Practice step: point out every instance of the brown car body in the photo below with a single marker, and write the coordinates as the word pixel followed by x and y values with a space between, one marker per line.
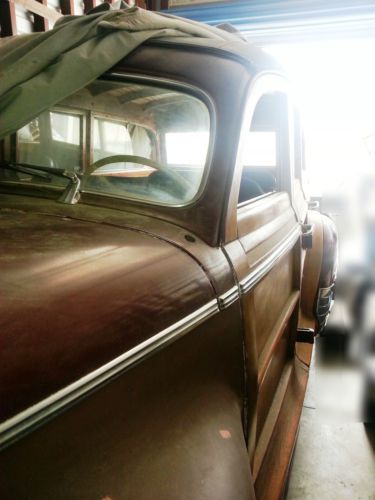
pixel 158 352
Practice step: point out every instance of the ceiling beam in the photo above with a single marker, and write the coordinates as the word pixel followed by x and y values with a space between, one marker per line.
pixel 39 9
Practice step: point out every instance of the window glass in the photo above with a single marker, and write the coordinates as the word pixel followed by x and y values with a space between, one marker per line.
pixel 151 145
pixel 66 128
pixel 186 147
pixel 260 149
pixel 53 139
pixel 110 138
pixel 265 151
pixel 126 140
pixel 115 138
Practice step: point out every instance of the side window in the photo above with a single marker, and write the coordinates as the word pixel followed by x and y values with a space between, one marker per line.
pixel 265 156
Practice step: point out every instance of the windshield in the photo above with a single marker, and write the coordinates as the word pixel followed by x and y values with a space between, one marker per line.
pixel 123 139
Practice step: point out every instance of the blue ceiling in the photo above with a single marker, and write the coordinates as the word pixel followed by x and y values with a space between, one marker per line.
pixel 272 20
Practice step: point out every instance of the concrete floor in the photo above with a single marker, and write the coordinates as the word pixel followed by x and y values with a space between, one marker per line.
pixel 335 452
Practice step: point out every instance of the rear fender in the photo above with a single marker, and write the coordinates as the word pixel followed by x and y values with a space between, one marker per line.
pixel 319 273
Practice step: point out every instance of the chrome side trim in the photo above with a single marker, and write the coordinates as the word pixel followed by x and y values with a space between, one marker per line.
pixel 36 415
pixel 266 265
pixel 227 298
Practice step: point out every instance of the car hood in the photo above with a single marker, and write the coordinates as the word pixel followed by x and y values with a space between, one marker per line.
pixel 76 294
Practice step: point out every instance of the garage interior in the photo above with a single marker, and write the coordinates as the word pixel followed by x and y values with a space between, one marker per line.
pixel 327 49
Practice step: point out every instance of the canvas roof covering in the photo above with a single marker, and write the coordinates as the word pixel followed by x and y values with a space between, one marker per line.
pixel 40 69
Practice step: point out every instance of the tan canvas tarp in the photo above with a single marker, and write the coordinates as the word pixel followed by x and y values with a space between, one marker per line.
pixel 41 69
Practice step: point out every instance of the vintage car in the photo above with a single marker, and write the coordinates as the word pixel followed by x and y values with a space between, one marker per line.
pixel 162 279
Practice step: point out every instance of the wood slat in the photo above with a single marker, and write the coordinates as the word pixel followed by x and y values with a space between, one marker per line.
pixel 271 419
pixel 275 335
pixel 272 474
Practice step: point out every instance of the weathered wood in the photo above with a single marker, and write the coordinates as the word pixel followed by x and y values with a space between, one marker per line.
pixel 40 9
pixel 8 25
pixel 67 7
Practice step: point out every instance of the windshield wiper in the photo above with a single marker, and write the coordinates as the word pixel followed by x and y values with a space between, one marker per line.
pixel 70 195
pixel 26 169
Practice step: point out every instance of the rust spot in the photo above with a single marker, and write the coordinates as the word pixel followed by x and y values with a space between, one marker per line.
pixel 106 498
pixel 225 434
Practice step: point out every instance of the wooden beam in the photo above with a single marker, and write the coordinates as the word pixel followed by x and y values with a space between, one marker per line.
pixel 40 22
pixel 8 25
pixel 67 7
pixel 38 8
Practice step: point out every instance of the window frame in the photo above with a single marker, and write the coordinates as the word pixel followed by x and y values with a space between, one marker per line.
pixel 9 143
pixel 261 85
pixel 177 86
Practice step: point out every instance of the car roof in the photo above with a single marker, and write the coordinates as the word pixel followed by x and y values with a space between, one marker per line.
pixel 239 49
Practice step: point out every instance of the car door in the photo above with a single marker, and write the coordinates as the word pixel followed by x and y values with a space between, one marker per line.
pixel 263 243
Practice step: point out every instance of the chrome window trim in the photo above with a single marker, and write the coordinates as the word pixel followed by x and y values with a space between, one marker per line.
pixel 267 264
pixel 46 409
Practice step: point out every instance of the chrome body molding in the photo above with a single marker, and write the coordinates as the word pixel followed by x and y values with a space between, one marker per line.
pixel 229 297
pixel 266 265
pixel 36 415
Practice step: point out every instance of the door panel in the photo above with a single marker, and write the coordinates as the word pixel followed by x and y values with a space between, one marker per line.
pixel 269 275
pixel 272 376
pixel 257 221
pixel 270 303
pixel 269 236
